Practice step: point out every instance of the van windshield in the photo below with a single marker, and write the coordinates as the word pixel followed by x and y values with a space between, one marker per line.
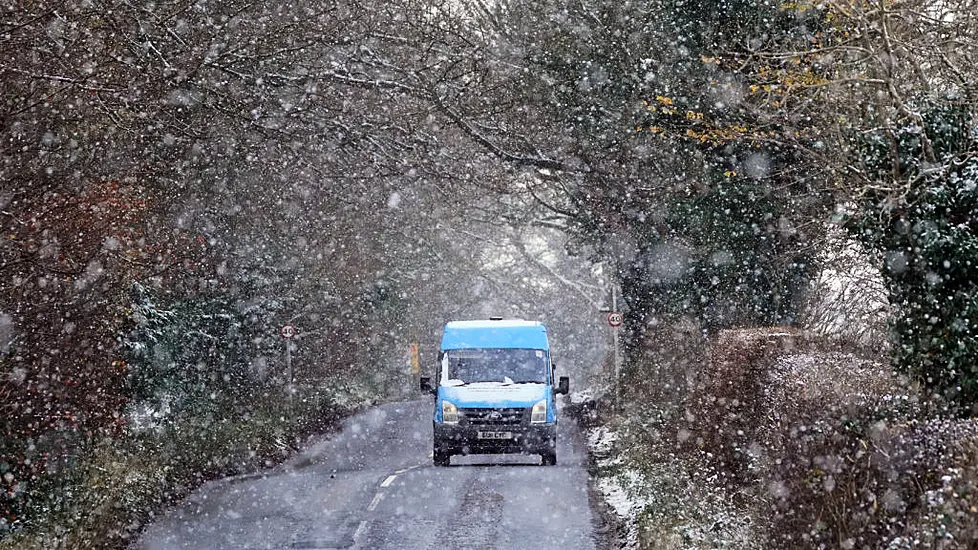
pixel 497 365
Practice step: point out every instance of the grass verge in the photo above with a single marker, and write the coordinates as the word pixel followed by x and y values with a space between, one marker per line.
pixel 106 498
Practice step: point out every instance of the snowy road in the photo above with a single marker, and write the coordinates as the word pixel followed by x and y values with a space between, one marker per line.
pixel 373 486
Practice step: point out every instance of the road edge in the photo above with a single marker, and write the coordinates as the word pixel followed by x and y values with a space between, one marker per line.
pixel 608 526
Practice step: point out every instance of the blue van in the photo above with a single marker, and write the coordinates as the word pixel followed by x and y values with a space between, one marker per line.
pixel 494 390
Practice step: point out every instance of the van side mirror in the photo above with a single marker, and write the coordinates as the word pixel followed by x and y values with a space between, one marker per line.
pixel 426 385
pixel 563 385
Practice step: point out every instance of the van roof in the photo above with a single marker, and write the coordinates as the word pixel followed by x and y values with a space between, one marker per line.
pixel 506 333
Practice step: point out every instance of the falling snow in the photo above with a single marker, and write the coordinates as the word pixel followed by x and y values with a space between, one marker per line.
pixel 231 234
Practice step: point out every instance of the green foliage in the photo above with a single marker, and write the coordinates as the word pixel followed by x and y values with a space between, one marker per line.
pixel 928 237
pixel 932 274
pixel 745 275
pixel 196 352
pixel 729 265
pixel 901 154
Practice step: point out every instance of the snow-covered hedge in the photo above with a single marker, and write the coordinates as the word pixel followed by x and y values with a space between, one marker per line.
pixel 781 441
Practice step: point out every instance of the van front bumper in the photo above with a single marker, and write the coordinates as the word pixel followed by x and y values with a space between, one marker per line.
pixel 531 439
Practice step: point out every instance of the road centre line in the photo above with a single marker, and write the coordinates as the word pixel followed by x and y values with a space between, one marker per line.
pixel 373 503
pixel 386 483
pixel 361 528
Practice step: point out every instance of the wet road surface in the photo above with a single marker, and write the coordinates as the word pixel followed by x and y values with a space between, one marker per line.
pixel 373 486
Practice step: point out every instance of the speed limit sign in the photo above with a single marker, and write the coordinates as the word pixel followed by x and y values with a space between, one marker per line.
pixel 288 331
pixel 615 319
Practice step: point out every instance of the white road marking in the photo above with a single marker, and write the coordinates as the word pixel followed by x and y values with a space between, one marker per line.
pixel 357 534
pixel 388 481
pixel 373 503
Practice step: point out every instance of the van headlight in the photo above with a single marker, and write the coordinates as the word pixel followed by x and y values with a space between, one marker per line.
pixel 538 415
pixel 449 412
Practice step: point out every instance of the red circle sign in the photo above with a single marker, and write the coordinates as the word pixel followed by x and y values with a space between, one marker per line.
pixel 615 319
pixel 288 331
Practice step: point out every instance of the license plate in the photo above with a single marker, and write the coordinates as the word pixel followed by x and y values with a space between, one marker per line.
pixel 494 435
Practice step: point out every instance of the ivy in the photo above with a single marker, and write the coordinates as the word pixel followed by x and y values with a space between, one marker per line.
pixel 929 240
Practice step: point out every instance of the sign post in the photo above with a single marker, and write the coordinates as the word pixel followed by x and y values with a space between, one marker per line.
pixel 615 319
pixel 289 332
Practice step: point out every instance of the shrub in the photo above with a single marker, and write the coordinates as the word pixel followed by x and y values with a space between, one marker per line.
pixel 927 236
pixel 830 449
pixel 103 501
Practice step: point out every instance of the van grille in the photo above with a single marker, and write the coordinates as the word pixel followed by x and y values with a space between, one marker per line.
pixel 493 417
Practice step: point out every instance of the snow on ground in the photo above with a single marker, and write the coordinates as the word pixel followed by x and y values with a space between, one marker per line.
pixel 600 440
pixel 581 396
pixel 616 490
pixel 663 501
